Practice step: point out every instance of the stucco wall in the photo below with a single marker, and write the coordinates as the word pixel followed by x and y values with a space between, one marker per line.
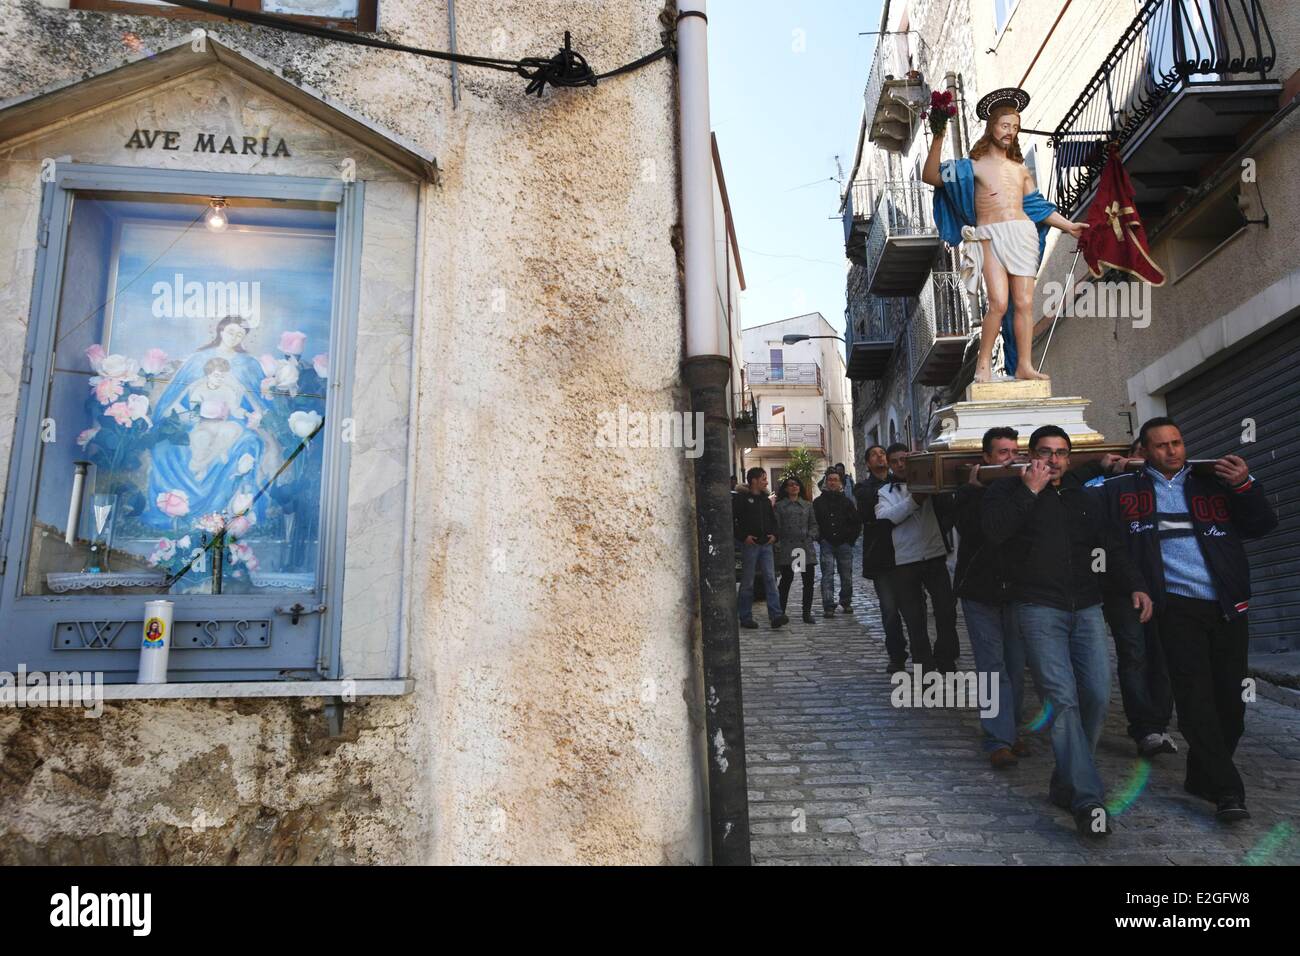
pixel 556 706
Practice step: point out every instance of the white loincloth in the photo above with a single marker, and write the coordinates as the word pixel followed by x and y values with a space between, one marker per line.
pixel 1014 243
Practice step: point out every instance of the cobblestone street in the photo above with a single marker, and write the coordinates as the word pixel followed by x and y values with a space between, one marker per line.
pixel 837 775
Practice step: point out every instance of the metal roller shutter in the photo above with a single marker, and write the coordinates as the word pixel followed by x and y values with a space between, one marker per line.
pixel 1260 382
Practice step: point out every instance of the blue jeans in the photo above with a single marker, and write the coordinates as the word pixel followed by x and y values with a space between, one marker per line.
pixel 998 651
pixel 754 558
pixel 1067 654
pixel 832 557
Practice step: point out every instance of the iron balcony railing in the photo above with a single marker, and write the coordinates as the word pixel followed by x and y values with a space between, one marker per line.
pixel 904 207
pixel 1169 44
pixel 943 312
pixel 859 204
pixel 796 373
pixel 899 56
pixel 874 320
pixel 792 436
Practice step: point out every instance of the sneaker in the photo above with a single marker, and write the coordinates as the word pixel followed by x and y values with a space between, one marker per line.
pixel 1089 823
pixel 828 610
pixel 1021 748
pixel 1231 810
pixel 1002 758
pixel 1153 744
pixel 808 618
pixel 780 621
pixel 846 605
pixel 751 624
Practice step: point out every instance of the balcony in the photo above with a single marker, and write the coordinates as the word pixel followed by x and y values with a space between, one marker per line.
pixel 902 240
pixel 795 379
pixel 871 335
pixel 859 207
pixel 1176 92
pixel 896 89
pixel 792 436
pixel 941 329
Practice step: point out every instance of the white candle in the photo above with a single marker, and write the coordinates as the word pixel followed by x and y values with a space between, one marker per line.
pixel 156 642
pixel 74 503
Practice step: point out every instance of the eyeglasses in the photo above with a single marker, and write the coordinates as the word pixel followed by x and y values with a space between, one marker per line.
pixel 1045 454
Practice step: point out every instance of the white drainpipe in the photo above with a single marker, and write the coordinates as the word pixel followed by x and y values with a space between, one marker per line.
pixel 697 179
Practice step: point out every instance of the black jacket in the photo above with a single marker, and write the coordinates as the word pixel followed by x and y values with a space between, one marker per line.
pixel 980 574
pixel 1048 542
pixel 837 518
pixel 877 533
pixel 1222 518
pixel 752 514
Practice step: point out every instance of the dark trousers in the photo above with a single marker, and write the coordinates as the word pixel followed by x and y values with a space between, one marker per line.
pixel 886 584
pixel 1207 663
pixel 1143 676
pixel 809 575
pixel 910 583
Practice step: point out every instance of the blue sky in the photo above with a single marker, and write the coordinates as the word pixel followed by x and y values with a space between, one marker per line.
pixel 781 116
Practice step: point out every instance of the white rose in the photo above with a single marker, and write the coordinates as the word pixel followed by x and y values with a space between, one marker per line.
pixel 138 406
pixel 245 464
pixel 241 503
pixel 117 366
pixel 286 376
pixel 303 424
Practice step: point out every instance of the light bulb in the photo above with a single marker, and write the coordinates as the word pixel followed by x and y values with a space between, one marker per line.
pixel 215 217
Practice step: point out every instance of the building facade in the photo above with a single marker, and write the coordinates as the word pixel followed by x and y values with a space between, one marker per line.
pixel 800 393
pixel 274 311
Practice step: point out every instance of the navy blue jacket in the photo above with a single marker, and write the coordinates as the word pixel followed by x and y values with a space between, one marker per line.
pixel 1222 518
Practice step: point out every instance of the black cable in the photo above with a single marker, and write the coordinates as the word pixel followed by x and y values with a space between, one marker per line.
pixel 567 68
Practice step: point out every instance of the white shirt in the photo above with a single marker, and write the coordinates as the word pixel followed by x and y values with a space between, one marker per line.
pixel 916 529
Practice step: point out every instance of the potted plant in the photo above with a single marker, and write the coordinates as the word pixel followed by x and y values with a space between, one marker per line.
pixel 802 465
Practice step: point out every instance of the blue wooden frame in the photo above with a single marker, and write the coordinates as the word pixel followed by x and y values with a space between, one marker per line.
pixel 19 611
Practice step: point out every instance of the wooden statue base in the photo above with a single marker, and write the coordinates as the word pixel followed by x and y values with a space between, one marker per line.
pixel 947 470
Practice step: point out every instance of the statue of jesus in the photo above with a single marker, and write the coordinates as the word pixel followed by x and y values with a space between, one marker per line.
pixel 990 207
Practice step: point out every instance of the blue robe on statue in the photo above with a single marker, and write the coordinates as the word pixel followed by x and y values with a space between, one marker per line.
pixel 222 478
pixel 954 207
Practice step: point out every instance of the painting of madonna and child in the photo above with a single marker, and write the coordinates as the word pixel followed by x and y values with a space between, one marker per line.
pixel 187 400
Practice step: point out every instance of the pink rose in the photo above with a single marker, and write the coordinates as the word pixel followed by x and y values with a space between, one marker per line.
pixel 268 364
pixel 85 437
pixel 321 364
pixel 292 343
pixel 119 412
pixel 107 390
pixel 239 526
pixel 96 355
pixel 173 503
pixel 155 360
pixel 212 523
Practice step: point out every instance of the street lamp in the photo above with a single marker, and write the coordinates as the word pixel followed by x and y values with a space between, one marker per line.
pixel 793 337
